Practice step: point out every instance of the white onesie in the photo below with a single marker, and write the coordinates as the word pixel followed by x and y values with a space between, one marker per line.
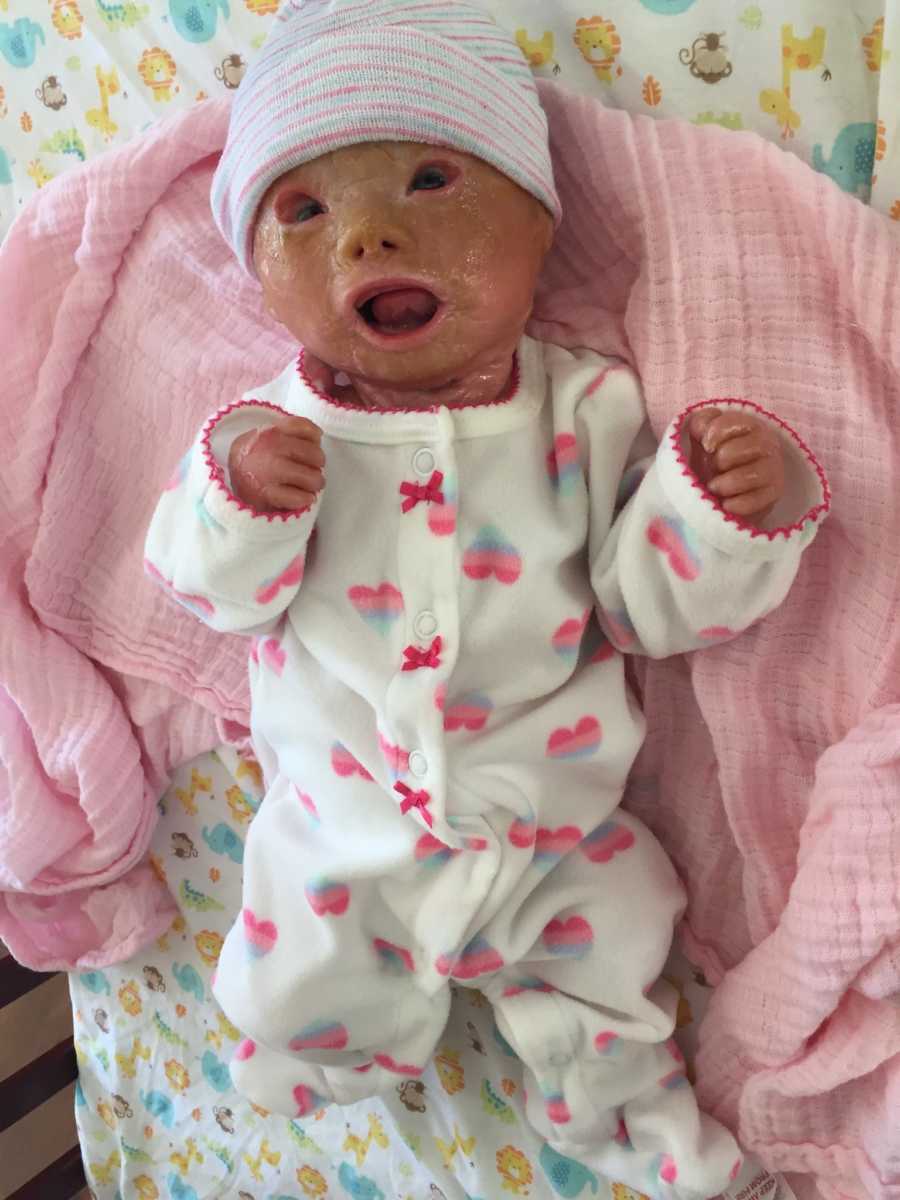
pixel 445 732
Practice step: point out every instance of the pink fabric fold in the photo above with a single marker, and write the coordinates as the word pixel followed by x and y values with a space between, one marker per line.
pixel 719 267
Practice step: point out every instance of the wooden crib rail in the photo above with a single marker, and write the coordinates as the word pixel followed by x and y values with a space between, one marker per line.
pixel 40 1158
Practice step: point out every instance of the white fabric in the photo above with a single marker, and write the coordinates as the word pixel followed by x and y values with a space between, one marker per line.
pixel 512 866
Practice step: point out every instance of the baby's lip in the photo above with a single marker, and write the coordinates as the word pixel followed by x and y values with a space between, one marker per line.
pixel 362 295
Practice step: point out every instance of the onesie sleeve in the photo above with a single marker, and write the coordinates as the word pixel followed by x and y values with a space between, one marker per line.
pixel 673 572
pixel 233 567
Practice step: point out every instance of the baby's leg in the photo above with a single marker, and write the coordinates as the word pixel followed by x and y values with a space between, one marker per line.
pixel 320 1028
pixel 324 979
pixel 584 1011
pixel 339 1060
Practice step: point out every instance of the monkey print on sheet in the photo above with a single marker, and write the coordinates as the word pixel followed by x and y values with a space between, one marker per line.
pixel 707 58
pixel 231 72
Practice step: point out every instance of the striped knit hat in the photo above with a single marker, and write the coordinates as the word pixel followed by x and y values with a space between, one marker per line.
pixel 337 72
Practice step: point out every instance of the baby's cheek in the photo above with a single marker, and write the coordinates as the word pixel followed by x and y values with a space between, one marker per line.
pixel 268 248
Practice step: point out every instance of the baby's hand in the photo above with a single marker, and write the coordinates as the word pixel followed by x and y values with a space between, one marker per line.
pixel 279 467
pixel 738 458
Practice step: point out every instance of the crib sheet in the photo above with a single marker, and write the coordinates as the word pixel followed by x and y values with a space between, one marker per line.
pixel 820 77
pixel 156 1111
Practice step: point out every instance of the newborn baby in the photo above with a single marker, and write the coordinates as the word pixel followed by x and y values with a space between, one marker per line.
pixel 442 537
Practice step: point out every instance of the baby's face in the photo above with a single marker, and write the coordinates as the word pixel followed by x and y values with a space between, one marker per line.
pixel 399 263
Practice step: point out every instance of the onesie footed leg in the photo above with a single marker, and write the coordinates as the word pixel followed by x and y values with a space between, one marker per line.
pixel 585 1011
pixel 330 1062
pixel 686 1155
pixel 657 1143
pixel 691 1155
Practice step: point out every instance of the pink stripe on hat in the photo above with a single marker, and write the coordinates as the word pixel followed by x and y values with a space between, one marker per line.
pixel 460 85
pixel 268 117
pixel 335 73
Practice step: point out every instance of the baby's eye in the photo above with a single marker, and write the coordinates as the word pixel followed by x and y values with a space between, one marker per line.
pixel 306 209
pixel 294 209
pixel 431 179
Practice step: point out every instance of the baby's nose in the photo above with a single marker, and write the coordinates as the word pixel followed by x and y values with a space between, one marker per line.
pixel 371 238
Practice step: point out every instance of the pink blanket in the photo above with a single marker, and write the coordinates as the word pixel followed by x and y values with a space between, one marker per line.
pixel 719 267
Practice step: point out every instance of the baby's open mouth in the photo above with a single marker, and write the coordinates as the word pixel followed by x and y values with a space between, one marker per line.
pixel 399 310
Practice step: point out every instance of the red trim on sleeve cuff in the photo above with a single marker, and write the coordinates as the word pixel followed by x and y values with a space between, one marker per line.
pixel 217 475
pixel 812 514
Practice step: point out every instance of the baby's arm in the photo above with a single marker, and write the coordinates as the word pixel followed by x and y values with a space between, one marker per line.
pixel 675 571
pixel 229 536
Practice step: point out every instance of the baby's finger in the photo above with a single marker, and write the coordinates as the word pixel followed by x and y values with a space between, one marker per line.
pixel 701 421
pixel 284 496
pixel 301 450
pixel 760 473
pixel 739 451
pixel 730 424
pixel 299 427
pixel 752 504
pixel 292 474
